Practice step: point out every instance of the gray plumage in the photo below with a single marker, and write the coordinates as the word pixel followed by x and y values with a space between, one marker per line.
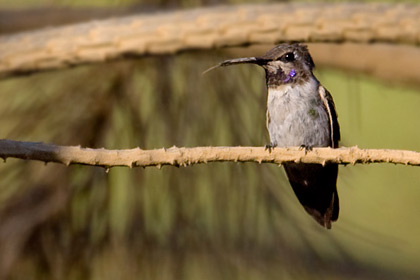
pixel 301 112
pixel 296 116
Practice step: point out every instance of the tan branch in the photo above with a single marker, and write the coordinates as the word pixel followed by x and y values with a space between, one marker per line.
pixel 207 28
pixel 187 156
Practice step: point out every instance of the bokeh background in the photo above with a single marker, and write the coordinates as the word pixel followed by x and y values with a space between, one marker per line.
pixel 214 221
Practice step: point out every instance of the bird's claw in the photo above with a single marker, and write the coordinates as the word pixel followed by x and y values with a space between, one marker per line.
pixel 269 147
pixel 306 148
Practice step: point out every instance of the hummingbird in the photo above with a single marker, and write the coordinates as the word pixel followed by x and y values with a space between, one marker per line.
pixel 300 112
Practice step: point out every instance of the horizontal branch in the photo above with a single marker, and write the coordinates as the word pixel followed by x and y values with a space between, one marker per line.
pixel 207 28
pixel 187 156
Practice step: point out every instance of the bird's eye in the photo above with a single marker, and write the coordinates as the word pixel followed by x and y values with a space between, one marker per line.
pixel 288 57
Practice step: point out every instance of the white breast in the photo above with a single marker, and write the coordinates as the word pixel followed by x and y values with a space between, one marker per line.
pixel 296 116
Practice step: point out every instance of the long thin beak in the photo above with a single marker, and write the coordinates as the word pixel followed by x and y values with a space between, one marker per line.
pixel 252 60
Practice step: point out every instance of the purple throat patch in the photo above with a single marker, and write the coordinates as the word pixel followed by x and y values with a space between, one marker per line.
pixel 290 75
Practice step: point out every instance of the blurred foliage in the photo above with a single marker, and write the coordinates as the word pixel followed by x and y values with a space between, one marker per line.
pixel 215 221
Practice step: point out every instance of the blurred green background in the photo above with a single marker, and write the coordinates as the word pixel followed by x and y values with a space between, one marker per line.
pixel 214 221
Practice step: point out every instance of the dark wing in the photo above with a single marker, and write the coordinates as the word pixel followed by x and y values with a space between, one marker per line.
pixel 315 188
pixel 332 115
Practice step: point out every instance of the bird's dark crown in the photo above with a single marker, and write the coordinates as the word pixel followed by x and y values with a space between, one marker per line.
pixel 290 53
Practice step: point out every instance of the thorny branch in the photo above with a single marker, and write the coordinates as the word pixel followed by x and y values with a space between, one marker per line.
pixel 187 156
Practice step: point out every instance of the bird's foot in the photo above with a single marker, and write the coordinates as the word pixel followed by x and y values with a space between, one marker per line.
pixel 269 147
pixel 306 147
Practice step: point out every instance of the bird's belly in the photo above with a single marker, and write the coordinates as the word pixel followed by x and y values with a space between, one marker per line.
pixel 297 123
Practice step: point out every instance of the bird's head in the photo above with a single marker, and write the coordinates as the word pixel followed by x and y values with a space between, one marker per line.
pixel 288 63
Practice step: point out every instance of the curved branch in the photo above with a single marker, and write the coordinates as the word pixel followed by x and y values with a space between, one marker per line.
pixel 187 156
pixel 206 28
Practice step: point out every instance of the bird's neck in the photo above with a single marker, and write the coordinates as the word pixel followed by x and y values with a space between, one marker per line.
pixel 303 86
pixel 279 77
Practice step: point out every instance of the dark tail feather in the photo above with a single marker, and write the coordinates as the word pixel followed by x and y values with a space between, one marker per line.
pixel 315 187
